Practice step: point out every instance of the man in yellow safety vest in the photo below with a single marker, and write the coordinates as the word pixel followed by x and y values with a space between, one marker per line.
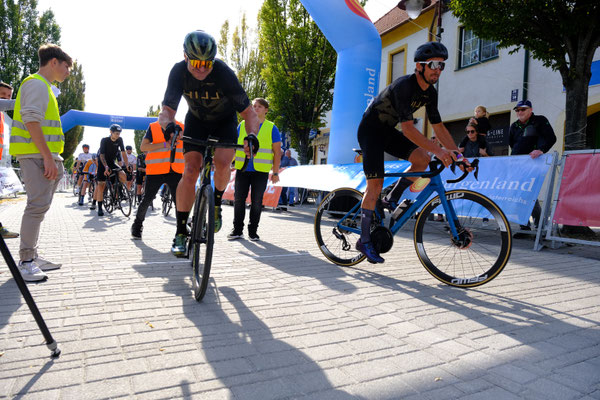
pixel 36 141
pixel 256 174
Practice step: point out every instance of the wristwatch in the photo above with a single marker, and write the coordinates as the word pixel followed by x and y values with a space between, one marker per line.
pixel 275 174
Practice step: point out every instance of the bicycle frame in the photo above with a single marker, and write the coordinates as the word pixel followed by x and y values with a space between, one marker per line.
pixel 434 186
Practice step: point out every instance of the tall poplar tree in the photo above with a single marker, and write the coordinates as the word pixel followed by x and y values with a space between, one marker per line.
pixel 300 69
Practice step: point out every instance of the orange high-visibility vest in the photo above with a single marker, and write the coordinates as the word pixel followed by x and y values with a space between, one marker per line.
pixel 158 161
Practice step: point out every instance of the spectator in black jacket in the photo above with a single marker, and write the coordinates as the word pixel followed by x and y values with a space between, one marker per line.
pixel 530 134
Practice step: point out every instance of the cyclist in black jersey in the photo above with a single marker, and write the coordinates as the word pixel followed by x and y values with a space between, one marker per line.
pixel 377 134
pixel 108 155
pixel 214 95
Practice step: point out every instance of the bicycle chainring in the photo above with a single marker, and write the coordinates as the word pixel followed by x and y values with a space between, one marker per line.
pixel 382 239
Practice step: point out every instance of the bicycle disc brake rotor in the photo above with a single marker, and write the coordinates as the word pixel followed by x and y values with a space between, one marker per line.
pixel 465 239
pixel 382 239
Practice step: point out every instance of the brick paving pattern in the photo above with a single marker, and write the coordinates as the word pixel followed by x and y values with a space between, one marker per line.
pixel 280 322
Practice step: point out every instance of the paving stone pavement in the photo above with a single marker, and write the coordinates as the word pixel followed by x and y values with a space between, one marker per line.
pixel 280 322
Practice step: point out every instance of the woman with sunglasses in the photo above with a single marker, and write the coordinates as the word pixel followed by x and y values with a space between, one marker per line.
pixel 214 95
pixel 377 134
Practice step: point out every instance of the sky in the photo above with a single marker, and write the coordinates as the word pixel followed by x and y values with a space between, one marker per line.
pixel 128 47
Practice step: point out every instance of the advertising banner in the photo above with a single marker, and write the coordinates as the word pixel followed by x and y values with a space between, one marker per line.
pixel 270 198
pixel 513 183
pixel 9 182
pixel 579 196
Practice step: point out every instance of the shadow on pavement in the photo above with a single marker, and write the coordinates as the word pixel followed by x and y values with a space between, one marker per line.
pixel 306 265
pixel 240 349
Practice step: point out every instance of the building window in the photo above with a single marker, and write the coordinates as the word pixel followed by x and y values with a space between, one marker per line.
pixel 475 50
pixel 397 66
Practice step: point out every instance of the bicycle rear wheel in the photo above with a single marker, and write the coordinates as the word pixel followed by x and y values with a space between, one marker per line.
pixel 202 240
pixel 482 248
pixel 107 199
pixel 124 199
pixel 337 226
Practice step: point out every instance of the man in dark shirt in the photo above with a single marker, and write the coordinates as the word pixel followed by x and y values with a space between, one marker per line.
pixel 214 95
pixel 377 134
pixel 530 134
pixel 108 155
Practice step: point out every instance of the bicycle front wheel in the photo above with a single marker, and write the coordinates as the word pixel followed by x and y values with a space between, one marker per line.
pixel 481 248
pixel 124 199
pixel 337 226
pixel 202 240
pixel 166 202
pixel 107 199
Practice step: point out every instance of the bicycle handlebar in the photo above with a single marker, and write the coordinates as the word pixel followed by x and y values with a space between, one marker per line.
pixel 214 143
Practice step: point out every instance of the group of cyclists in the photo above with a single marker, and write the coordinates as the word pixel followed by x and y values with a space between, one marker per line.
pixel 92 169
pixel 215 96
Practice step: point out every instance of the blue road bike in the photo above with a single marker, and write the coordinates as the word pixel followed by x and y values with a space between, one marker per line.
pixel 461 237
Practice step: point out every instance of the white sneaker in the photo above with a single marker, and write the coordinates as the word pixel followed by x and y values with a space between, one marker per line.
pixel 31 272
pixel 46 265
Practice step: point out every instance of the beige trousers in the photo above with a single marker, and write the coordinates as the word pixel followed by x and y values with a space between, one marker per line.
pixel 40 192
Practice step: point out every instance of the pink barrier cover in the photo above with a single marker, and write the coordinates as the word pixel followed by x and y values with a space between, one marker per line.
pixel 579 196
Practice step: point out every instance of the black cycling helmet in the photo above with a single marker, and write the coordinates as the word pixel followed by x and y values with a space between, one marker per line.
pixel 128 148
pixel 85 145
pixel 199 45
pixel 115 127
pixel 431 50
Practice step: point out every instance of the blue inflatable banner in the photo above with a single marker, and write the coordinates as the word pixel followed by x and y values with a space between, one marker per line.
pixel 513 183
pixel 352 34
pixel 74 117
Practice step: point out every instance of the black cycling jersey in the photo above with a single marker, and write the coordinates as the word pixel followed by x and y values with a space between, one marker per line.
pixel 111 149
pixel 397 102
pixel 215 98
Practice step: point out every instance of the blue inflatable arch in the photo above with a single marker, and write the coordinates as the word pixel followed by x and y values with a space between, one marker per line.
pixel 352 34
pixel 73 118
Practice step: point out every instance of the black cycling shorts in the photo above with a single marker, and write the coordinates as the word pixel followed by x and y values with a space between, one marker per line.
pixel 100 177
pixel 375 139
pixel 225 130
pixel 139 178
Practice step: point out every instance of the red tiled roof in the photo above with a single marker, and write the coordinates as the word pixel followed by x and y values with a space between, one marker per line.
pixel 394 18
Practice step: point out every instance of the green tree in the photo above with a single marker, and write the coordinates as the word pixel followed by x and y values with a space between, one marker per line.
pixel 23 32
pixel 72 97
pixel 138 134
pixel 243 55
pixel 563 34
pixel 300 69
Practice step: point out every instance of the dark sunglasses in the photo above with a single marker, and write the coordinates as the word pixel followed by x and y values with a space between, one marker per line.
pixel 434 64
pixel 471 131
pixel 520 109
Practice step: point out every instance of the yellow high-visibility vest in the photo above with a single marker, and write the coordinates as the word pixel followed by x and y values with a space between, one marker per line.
pixel 20 139
pixel 263 160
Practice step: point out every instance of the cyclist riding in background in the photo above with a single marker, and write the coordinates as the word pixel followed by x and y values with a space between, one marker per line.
pixel 213 94
pixel 132 160
pixel 108 155
pixel 81 160
pixel 377 134
pixel 87 177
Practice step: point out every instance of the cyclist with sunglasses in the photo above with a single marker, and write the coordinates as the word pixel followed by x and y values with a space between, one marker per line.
pixel 214 95
pixel 377 134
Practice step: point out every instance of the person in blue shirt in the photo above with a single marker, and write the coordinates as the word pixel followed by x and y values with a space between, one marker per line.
pixel 287 194
pixel 256 174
